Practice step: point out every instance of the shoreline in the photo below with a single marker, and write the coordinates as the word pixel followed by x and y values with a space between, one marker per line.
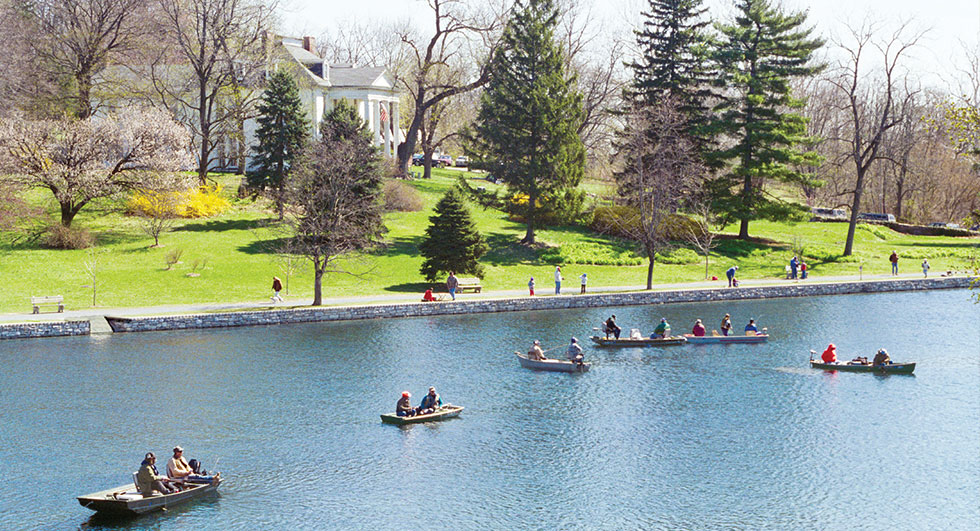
pixel 252 317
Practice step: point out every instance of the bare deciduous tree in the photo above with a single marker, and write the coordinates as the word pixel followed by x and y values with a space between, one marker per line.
pixel 81 160
pixel 699 232
pixel 660 166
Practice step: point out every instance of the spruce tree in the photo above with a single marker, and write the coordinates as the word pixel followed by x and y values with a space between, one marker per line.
pixel 452 242
pixel 282 135
pixel 530 112
pixel 760 53
pixel 675 64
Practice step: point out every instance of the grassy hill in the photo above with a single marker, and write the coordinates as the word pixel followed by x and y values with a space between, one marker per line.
pixel 227 258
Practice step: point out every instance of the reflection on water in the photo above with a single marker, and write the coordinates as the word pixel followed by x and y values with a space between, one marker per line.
pixel 693 437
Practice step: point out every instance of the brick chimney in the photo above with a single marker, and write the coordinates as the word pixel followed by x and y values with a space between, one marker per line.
pixel 309 44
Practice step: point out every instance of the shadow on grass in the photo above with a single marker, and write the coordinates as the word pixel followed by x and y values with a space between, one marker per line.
pixel 732 247
pixel 271 246
pixel 417 287
pixel 506 249
pixel 220 225
pixel 402 245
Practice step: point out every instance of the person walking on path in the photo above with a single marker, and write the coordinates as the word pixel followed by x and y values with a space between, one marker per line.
pixel 530 286
pixel 894 260
pixel 925 268
pixel 584 281
pixel 558 280
pixel 731 275
pixel 452 283
pixel 792 268
pixel 276 288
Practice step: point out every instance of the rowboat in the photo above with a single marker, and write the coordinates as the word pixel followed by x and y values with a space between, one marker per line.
pixel 703 340
pixel 642 342
pixel 552 364
pixel 442 413
pixel 892 368
pixel 127 500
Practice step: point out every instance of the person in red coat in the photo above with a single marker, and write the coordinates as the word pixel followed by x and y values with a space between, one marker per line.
pixel 698 329
pixel 830 355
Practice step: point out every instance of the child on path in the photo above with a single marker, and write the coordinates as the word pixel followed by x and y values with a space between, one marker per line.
pixel 584 281
pixel 925 268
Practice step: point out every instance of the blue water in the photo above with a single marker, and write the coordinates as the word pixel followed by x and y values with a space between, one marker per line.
pixel 689 437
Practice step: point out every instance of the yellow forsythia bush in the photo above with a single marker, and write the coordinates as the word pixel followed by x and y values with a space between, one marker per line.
pixel 203 202
pixel 199 202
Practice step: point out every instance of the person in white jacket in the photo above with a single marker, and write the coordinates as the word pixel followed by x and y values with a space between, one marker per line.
pixel 558 280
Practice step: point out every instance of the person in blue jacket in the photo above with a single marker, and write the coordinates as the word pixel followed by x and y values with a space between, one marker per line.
pixel 751 326
pixel 430 402
pixel 731 275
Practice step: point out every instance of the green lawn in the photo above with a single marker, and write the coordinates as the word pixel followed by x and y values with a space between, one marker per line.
pixel 230 256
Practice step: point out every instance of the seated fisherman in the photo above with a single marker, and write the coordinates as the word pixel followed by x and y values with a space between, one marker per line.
pixel 726 324
pixel 698 330
pixel 829 355
pixel 535 353
pixel 404 406
pixel 611 327
pixel 661 329
pixel 881 358
pixel 149 480
pixel 751 327
pixel 430 402
pixel 177 466
pixel 574 352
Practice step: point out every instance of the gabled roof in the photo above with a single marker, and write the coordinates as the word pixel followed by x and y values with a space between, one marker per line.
pixel 347 76
pixel 301 54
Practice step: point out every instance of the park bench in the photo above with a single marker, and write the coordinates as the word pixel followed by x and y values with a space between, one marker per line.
pixel 37 302
pixel 469 284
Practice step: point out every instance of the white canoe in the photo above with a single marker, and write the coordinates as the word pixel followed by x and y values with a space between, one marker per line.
pixel 758 338
pixel 552 364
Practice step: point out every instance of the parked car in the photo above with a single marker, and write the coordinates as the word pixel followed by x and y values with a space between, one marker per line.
pixel 418 159
pixel 442 160
pixel 462 161
pixel 875 216
pixel 833 213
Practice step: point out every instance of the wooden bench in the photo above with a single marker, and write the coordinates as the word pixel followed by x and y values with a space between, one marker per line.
pixel 36 302
pixel 469 283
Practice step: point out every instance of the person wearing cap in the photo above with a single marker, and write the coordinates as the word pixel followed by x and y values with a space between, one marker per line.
pixel 535 353
pixel 881 358
pixel 177 467
pixel 698 330
pixel 662 329
pixel 574 352
pixel 611 327
pixel 751 327
pixel 149 480
pixel 404 406
pixel 726 324
pixel 829 355
pixel 731 275
pixel 430 402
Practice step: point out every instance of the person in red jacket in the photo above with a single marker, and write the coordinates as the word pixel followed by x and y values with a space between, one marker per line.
pixel 698 329
pixel 830 355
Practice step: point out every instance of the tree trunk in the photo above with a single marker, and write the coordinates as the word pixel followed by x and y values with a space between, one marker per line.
pixel 899 190
pixel 202 166
pixel 651 257
pixel 855 210
pixel 318 284
pixel 743 226
pixel 427 163
pixel 706 266
pixel 68 212
pixel 411 136
pixel 529 218
pixel 84 109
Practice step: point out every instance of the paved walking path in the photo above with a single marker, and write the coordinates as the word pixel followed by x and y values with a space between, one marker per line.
pixel 96 315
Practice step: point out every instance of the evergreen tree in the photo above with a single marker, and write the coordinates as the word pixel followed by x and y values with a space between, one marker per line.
pixel 759 55
pixel 675 49
pixel 452 242
pixel 282 135
pixel 527 126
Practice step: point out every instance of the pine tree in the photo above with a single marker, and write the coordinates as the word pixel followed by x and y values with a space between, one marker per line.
pixel 527 126
pixel 282 135
pixel 759 54
pixel 675 49
pixel 452 242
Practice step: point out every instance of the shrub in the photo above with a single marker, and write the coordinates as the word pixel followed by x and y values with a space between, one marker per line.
pixel 564 208
pixel 590 253
pixel 62 237
pixel 200 202
pixel 623 221
pixel 402 197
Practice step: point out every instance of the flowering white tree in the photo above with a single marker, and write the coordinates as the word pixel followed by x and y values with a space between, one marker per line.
pixel 81 160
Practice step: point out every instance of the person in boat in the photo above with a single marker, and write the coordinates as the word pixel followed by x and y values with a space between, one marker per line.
pixel 427 296
pixel 430 402
pixel 611 327
pixel 662 328
pixel 698 330
pixel 726 324
pixel 535 353
pixel 148 479
pixel 178 467
pixel 881 358
pixel 404 406
pixel 751 327
pixel 574 352
pixel 829 355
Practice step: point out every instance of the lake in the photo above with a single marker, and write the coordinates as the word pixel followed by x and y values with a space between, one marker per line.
pixel 686 437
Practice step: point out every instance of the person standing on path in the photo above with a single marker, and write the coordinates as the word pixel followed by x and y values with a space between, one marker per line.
pixel 894 260
pixel 731 275
pixel 276 288
pixel 925 268
pixel 452 283
pixel 802 270
pixel 585 279
pixel 792 268
pixel 558 280
pixel 530 286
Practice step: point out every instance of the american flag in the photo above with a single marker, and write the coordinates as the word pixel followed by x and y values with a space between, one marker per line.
pixel 384 115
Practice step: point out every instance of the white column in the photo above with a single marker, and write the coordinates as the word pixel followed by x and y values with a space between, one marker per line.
pixel 395 123
pixel 376 121
pixel 362 109
pixel 388 134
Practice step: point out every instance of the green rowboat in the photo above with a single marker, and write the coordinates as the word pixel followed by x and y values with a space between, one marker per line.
pixel 444 412
pixel 892 368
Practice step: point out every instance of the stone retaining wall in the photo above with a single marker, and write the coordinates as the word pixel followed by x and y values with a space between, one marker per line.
pixel 346 313
pixel 45 329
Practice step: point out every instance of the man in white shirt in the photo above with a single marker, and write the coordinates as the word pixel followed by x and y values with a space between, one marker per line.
pixel 177 467
pixel 558 280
